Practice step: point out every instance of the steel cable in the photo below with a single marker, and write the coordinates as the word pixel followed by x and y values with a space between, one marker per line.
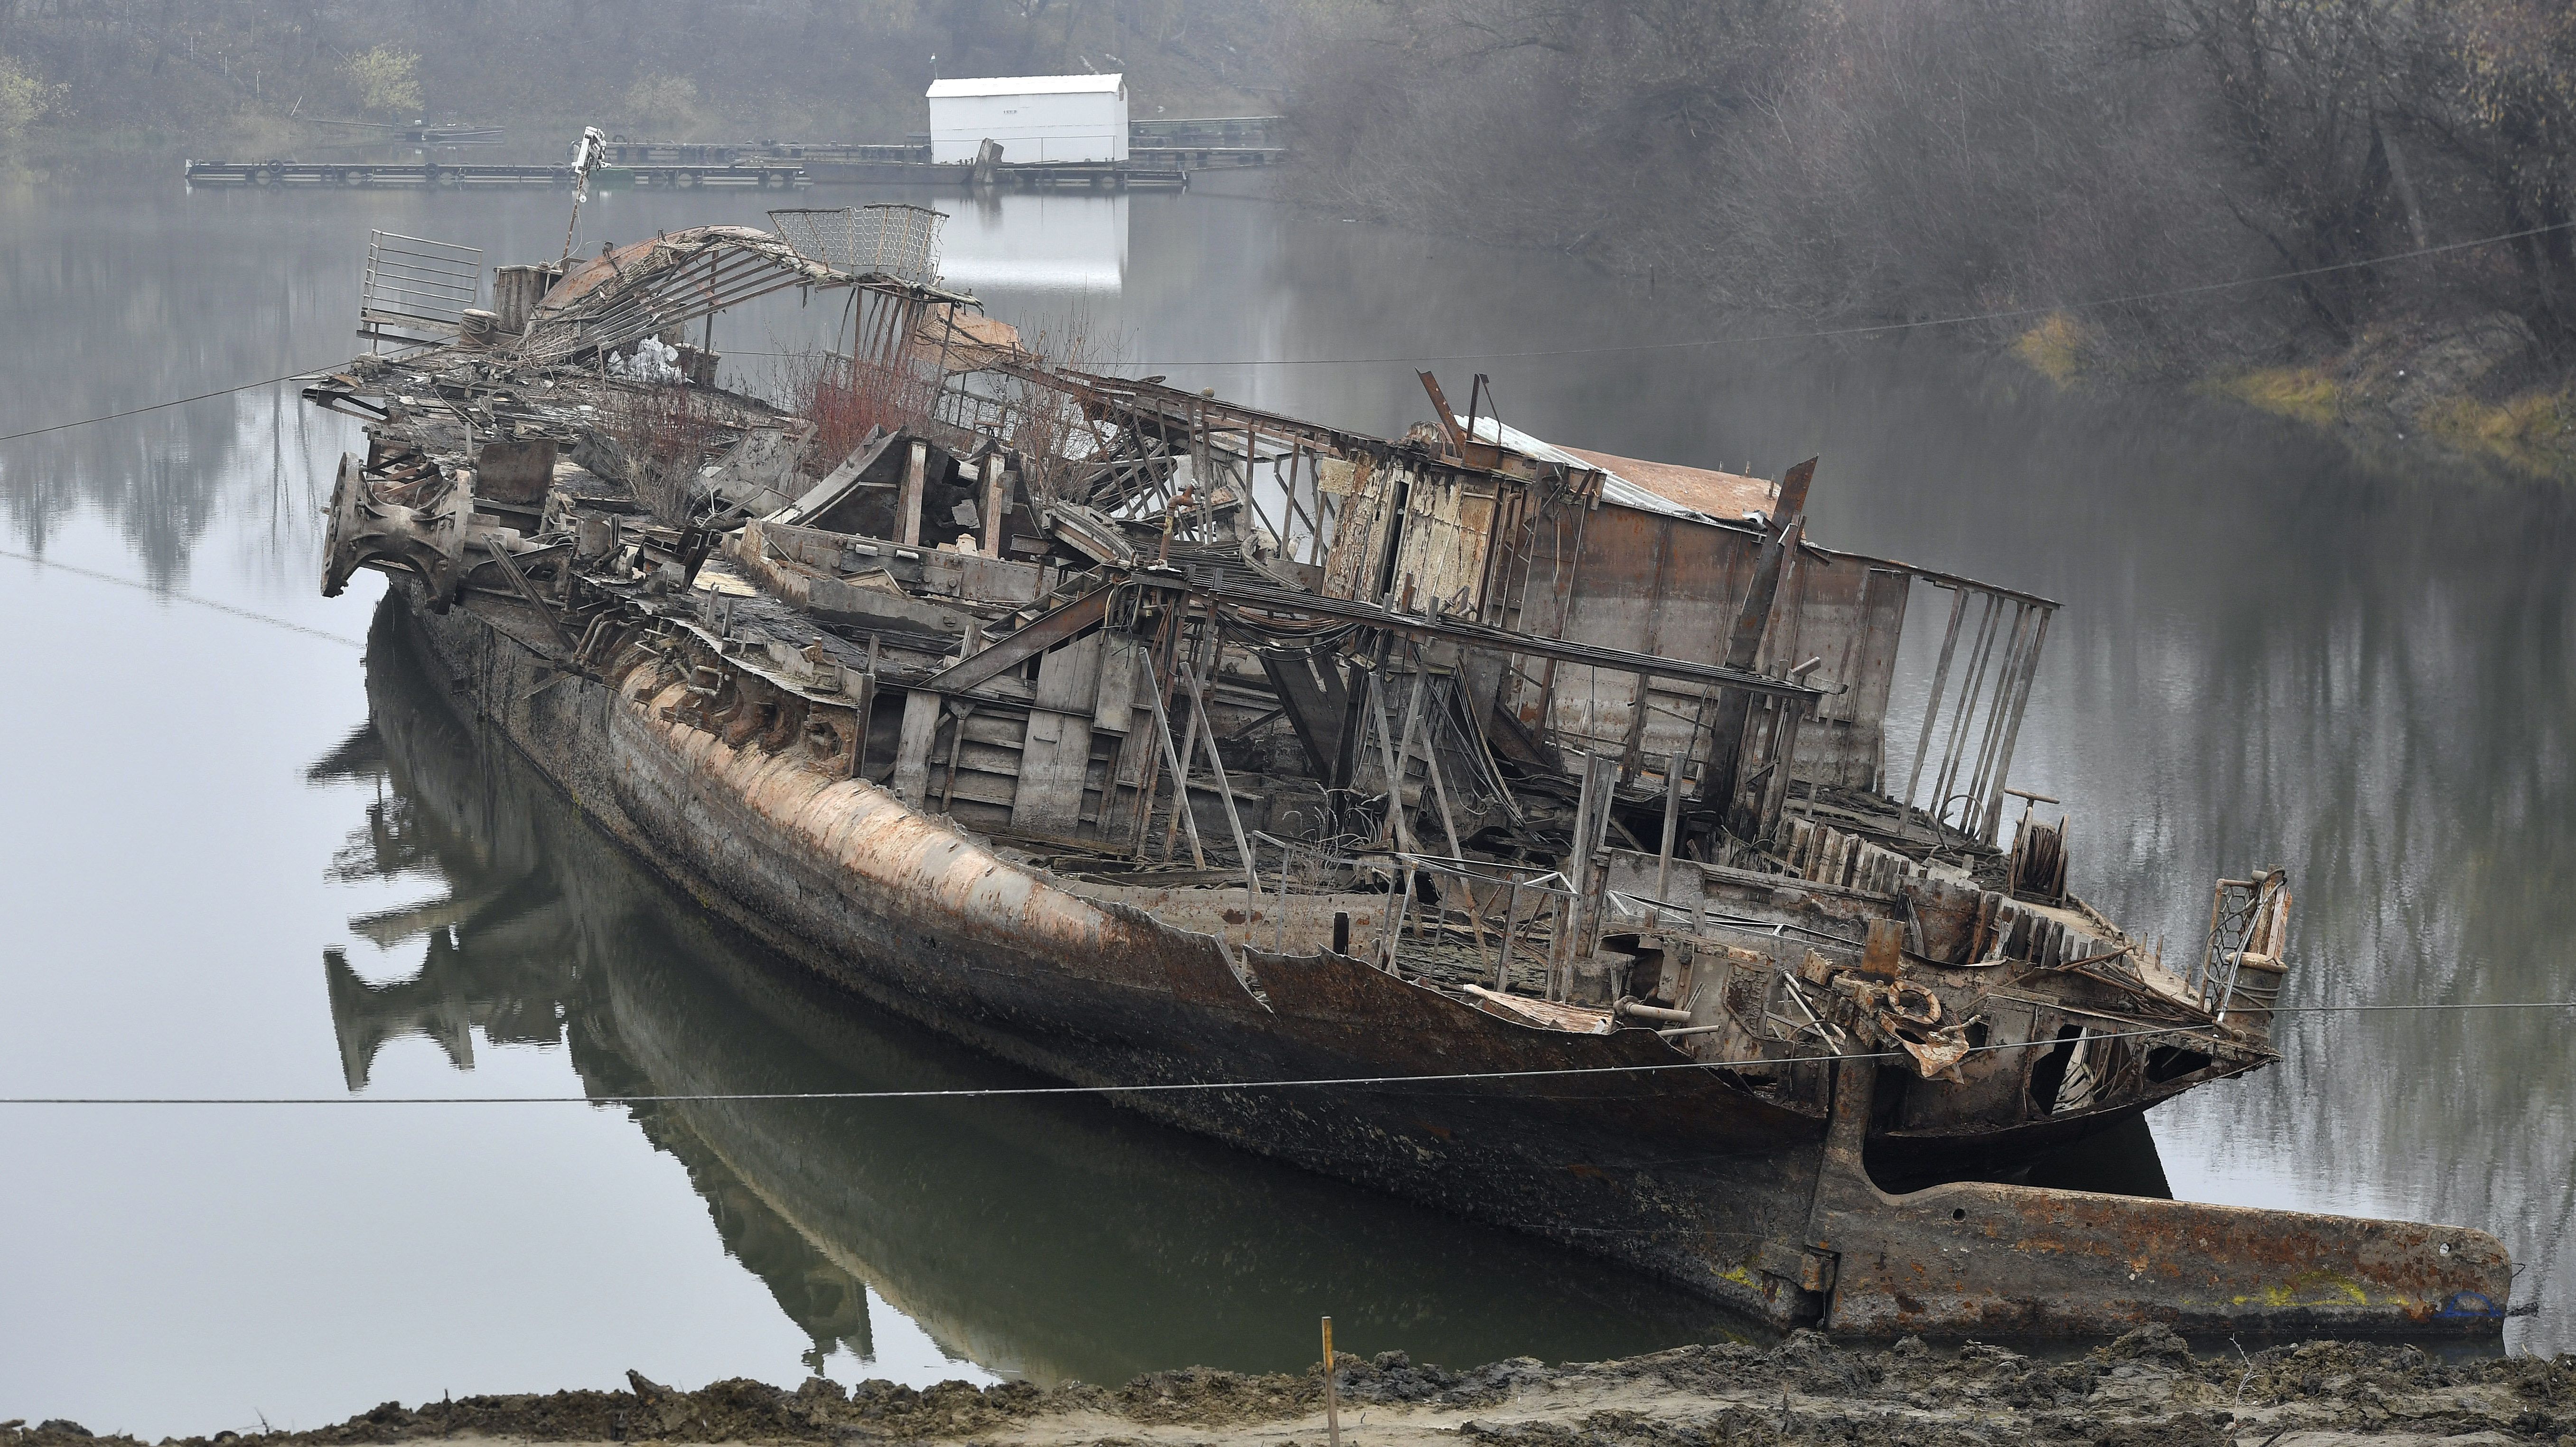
pixel 997 1092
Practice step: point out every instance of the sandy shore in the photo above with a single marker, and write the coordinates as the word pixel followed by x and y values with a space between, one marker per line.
pixel 2145 1390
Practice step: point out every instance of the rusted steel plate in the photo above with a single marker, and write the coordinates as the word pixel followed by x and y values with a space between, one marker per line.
pixel 2016 1258
pixel 1980 1257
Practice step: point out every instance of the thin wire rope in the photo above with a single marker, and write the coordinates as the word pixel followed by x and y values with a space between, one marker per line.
pixel 1869 329
pixel 162 406
pixel 2481 1005
pixel 995 1092
pixel 140 586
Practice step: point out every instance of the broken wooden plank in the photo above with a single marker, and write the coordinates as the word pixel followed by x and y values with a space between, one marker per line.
pixel 907 503
pixel 1055 758
pixel 921 710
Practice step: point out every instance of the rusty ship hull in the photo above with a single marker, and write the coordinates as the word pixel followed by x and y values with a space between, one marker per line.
pixel 1665 1169
pixel 848 881
pixel 1296 787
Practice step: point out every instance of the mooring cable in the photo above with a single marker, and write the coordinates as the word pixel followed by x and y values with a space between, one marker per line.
pixel 998 1092
pixel 174 402
pixel 139 586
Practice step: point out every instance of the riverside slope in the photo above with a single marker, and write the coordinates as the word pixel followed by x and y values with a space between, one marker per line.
pixel 2145 1389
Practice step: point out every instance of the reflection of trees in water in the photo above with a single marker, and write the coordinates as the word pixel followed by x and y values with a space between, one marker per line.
pixel 1050 1238
pixel 2398 698
pixel 2271 655
pixel 126 297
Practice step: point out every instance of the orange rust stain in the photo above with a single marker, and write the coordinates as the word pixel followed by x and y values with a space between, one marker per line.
pixel 869 834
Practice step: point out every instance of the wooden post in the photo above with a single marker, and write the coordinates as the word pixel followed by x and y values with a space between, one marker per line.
pixel 1574 922
pixel 1932 703
pixel 1784 754
pixel 1224 792
pixel 993 502
pixel 921 711
pixel 2012 730
pixel 1595 879
pixel 1169 692
pixel 1148 768
pixel 707 337
pixel 1394 768
pixel 907 505
pixel 1672 823
pixel 1744 640
pixel 1332 1394
pixel 1392 937
pixel 1279 934
pixel 1969 690
pixel 867 706
pixel 1449 827
pixel 1180 776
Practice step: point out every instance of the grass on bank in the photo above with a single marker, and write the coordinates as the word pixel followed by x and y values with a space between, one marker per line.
pixel 2302 394
pixel 2532 432
pixel 2055 348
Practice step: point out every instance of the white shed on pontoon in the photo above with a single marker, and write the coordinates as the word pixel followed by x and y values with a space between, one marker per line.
pixel 1036 117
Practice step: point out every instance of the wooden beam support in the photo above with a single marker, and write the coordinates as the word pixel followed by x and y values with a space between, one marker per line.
pixel 907 505
pixel 1061 626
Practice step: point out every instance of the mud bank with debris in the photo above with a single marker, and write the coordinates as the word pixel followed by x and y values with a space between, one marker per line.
pixel 2144 1390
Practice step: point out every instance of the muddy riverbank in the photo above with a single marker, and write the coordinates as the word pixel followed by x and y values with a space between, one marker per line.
pixel 2144 1390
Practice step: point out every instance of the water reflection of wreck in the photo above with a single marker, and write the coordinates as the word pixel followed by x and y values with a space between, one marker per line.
pixel 1048 1240
pixel 1138 737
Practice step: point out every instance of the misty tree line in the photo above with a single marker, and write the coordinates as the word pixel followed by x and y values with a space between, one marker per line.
pixel 1887 159
pixel 140 73
pixel 1846 159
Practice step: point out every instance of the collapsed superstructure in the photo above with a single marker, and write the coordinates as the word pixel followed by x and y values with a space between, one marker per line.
pixel 1539 797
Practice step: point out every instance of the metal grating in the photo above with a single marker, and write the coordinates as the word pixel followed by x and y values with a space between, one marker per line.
pixel 886 238
pixel 416 290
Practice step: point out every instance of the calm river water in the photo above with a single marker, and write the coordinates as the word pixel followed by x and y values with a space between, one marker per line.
pixel 248 856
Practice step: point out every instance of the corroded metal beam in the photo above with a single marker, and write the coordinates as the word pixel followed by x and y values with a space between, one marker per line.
pixel 1487 636
pixel 1061 626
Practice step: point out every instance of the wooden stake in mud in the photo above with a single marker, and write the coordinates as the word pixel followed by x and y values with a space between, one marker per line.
pixel 1332 1397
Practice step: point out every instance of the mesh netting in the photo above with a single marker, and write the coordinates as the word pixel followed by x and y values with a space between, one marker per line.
pixel 885 239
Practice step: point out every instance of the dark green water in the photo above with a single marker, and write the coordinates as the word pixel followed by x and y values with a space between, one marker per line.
pixel 249 860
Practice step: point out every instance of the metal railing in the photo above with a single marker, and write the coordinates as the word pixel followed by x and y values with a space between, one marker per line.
pixel 2248 926
pixel 416 291
pixel 1484 914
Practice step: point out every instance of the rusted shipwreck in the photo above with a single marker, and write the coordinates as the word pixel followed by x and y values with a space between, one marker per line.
pixel 1531 806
